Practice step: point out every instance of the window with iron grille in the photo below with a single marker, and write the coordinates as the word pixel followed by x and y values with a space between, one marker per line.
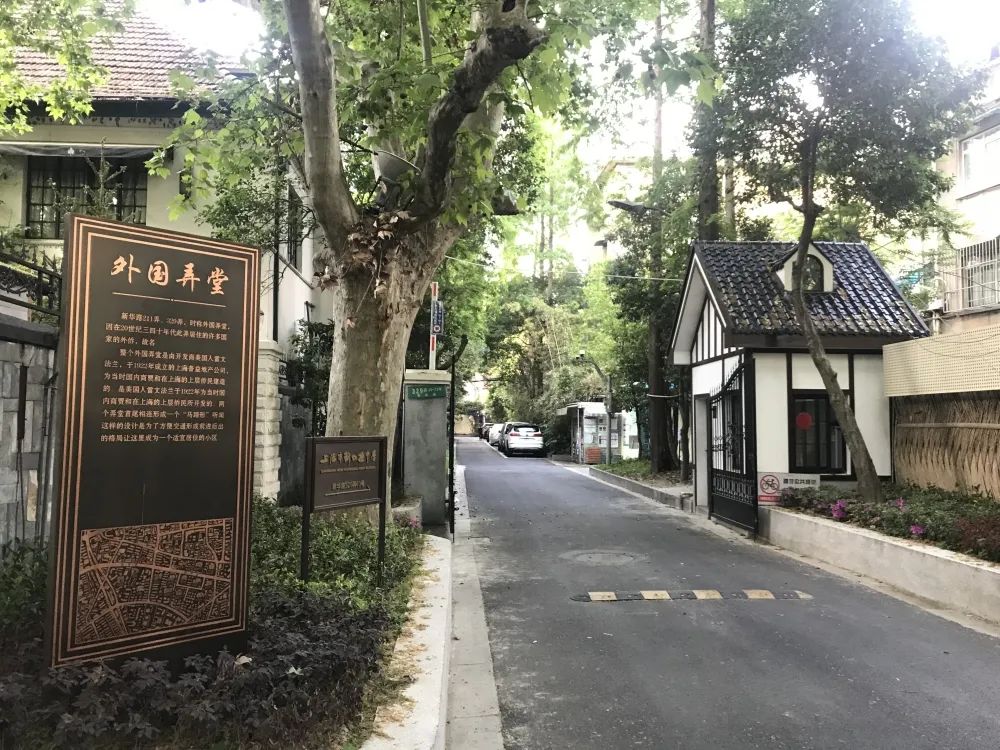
pixel 60 183
pixel 817 440
pixel 980 274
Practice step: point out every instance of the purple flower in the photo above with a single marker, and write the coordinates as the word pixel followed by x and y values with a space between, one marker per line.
pixel 839 510
pixel 900 503
pixel 413 522
pixel 917 530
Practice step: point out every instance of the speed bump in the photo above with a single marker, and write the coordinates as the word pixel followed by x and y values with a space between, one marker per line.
pixel 660 595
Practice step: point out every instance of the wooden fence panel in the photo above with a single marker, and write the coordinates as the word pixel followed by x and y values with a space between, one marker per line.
pixel 948 440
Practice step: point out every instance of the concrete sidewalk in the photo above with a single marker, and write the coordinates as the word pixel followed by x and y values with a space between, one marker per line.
pixel 473 709
pixel 422 650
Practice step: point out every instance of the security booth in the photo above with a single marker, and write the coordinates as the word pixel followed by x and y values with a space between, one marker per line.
pixel 588 426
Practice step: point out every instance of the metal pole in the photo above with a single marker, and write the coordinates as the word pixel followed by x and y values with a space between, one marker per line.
pixel 432 365
pixel 380 575
pixel 610 412
pixel 307 510
pixel 451 435
pixel 451 451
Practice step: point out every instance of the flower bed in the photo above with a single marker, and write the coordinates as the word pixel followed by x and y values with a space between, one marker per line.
pixel 314 650
pixel 638 468
pixel 956 521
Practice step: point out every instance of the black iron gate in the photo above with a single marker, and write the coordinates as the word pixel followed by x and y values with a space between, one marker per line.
pixel 732 459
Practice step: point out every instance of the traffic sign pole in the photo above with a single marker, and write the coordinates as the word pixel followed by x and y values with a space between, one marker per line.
pixel 433 342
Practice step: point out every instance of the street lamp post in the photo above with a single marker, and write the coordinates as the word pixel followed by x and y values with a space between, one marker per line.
pixel 582 357
pixel 657 386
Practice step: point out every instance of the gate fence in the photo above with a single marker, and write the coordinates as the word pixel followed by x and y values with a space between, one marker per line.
pixel 732 461
pixel 29 303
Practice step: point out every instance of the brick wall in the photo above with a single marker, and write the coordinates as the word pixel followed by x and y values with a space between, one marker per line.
pixel 25 463
pixel 267 441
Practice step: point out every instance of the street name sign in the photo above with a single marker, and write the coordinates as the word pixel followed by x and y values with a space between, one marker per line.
pixel 158 369
pixel 345 472
pixel 423 392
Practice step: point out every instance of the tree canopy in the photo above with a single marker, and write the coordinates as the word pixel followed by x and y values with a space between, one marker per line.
pixel 63 31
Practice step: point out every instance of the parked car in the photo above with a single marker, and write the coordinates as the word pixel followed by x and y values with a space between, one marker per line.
pixel 507 427
pixel 484 431
pixel 503 435
pixel 522 437
pixel 494 433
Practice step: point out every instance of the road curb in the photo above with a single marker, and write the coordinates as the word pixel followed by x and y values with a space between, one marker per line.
pixel 417 722
pixel 941 578
pixel 473 709
pixel 670 499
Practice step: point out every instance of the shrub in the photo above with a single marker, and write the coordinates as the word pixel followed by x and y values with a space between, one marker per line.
pixel 951 519
pixel 23 575
pixel 631 468
pixel 980 536
pixel 311 652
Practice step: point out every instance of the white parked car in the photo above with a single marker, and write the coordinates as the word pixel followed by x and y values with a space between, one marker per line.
pixel 494 435
pixel 521 437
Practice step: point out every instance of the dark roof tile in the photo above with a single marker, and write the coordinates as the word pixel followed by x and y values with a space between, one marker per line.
pixel 864 302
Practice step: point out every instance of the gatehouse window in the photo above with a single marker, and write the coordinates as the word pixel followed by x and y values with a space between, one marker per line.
pixel 817 440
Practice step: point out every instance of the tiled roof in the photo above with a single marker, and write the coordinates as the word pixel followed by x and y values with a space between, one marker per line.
pixel 864 301
pixel 138 62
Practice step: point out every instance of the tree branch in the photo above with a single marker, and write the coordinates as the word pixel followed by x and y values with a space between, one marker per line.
pixel 314 62
pixel 425 31
pixel 507 37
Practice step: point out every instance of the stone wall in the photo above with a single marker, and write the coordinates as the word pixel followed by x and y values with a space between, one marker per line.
pixel 267 441
pixel 26 453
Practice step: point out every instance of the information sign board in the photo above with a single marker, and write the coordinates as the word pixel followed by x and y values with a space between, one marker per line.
pixel 158 355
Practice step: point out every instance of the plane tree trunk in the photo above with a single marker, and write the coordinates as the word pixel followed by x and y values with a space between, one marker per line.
pixel 379 267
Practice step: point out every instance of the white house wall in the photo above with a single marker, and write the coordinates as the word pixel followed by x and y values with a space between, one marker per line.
pixel 708 337
pixel 294 291
pixel 867 391
pixel 871 408
pixel 772 412
pixel 806 377
pixel 113 131
pixel 710 376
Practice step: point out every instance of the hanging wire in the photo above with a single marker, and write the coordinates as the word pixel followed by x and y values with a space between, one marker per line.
pixel 579 273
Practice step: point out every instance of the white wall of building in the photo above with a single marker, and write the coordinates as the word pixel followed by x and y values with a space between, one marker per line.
pixel 711 375
pixel 123 131
pixel 771 376
pixel 295 288
pixel 868 393
pixel 871 408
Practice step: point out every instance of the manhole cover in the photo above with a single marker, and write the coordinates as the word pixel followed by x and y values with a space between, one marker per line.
pixel 600 557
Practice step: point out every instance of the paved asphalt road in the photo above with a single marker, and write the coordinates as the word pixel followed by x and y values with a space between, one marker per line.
pixel 849 668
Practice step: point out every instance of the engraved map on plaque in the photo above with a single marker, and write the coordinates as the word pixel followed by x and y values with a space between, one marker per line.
pixel 140 579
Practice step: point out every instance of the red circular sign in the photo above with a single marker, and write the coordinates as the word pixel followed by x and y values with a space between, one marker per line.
pixel 804 420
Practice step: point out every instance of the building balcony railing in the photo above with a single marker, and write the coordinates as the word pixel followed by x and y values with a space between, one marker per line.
pixel 29 279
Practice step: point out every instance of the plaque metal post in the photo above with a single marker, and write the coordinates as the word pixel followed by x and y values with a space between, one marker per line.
pixel 307 503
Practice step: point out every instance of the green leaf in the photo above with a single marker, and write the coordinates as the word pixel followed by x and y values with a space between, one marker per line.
pixel 706 91
pixel 548 55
